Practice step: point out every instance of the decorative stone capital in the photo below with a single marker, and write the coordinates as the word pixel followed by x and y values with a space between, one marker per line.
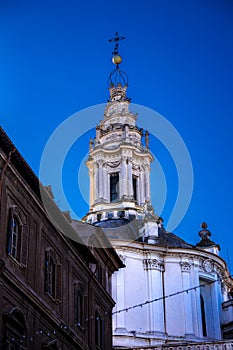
pixel 153 264
pixel 185 266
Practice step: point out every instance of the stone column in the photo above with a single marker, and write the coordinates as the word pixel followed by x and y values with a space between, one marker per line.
pixel 123 178
pixel 130 179
pixel 98 130
pixel 96 182
pixel 147 182
pixel 142 187
pixel 101 180
pixel 105 183
pixel 92 194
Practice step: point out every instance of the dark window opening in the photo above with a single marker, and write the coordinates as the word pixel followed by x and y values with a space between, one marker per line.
pixel 114 187
pixel 14 329
pixel 135 187
pixel 99 331
pixel 79 308
pixel 53 277
pixel 203 317
pixel 100 275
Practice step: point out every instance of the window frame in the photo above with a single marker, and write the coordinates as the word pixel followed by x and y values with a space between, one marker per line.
pixel 135 187
pixel 78 307
pixel 114 187
pixel 53 275
pixel 98 331
pixel 15 239
pixel 203 316
pixel 15 329
pixel 17 242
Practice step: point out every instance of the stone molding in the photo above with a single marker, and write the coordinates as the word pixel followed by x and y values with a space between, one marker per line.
pixel 218 345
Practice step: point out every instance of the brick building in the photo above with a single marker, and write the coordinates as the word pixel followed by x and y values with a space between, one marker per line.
pixel 55 292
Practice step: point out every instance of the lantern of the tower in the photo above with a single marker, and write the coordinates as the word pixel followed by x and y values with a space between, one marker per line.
pixel 119 158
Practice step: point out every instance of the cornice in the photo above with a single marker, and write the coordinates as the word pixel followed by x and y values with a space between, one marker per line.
pixel 209 263
pixel 119 150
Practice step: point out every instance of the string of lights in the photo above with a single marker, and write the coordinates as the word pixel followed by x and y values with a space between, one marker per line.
pixel 69 328
pixel 169 296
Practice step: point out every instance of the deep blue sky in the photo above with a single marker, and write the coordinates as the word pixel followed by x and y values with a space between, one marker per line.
pixel 55 59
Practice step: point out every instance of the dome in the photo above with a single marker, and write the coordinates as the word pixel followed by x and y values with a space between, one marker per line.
pixel 131 230
pixel 168 239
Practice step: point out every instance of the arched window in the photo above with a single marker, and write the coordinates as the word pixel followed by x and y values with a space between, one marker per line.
pixel 203 317
pixel 15 236
pixel 15 329
pixel 53 278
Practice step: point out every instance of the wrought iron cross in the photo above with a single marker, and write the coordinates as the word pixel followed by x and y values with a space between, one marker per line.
pixel 116 40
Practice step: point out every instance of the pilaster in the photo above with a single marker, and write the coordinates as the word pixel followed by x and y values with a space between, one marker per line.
pixel 154 268
pixel 188 312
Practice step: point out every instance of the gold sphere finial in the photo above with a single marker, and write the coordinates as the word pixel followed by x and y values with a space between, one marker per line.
pixel 117 59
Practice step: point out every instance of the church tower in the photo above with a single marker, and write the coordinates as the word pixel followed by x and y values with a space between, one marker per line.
pixel 119 158
pixel 170 292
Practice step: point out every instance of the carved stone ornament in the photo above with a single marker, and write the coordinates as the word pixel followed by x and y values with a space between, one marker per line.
pixel 153 264
pixel 136 167
pixel 185 266
pixel 113 164
pixel 208 265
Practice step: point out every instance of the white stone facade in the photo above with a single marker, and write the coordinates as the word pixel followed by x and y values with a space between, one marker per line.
pixel 159 297
pixel 172 277
pixel 118 149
